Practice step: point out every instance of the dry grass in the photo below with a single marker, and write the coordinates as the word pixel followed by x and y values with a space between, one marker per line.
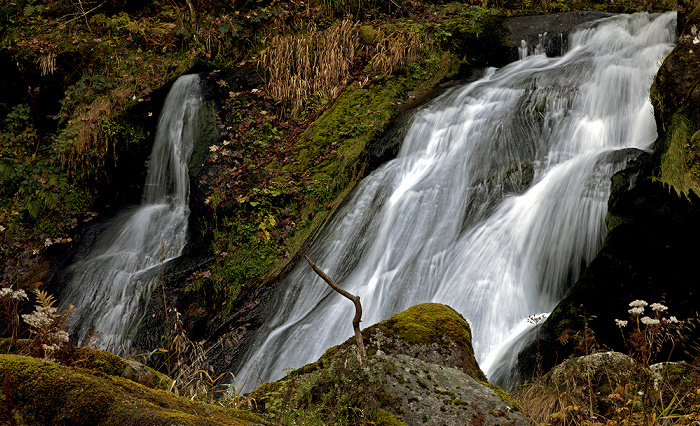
pixel 540 401
pixel 192 372
pixel 318 63
pixel 314 64
pixel 86 135
pixel 395 50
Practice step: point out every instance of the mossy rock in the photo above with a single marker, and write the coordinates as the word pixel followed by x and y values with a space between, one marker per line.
pixel 368 35
pixel 430 325
pixel 431 332
pixel 385 418
pixel 100 362
pixel 41 392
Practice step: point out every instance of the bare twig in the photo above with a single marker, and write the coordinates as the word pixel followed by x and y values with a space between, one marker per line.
pixel 193 13
pixel 358 308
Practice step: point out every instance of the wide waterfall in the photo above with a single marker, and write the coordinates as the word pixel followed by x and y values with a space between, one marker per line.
pixel 494 205
pixel 111 285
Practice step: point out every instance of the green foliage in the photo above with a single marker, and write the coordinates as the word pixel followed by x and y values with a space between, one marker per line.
pixel 18 136
pixel 680 161
pixel 343 393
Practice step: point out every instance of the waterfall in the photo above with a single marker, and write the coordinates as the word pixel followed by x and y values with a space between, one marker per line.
pixel 494 205
pixel 111 285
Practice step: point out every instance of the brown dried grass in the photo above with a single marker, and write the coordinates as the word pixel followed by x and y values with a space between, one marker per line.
pixel 314 64
pixel 89 136
pixel 395 50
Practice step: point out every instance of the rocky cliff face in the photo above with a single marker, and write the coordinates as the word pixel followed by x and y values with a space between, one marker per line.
pixel 650 251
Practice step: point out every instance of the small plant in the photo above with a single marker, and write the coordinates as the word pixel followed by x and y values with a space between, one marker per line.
pixel 649 334
pixel 609 388
pixel 46 325
pixel 10 300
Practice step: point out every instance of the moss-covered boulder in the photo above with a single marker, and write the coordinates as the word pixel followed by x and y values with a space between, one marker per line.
pixel 41 392
pixel 420 369
pixel 431 332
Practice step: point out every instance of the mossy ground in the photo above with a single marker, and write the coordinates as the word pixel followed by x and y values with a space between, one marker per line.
pixel 40 392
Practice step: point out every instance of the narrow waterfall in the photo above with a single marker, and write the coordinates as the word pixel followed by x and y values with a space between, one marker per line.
pixel 111 285
pixel 494 205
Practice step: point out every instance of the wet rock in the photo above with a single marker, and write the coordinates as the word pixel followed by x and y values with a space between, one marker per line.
pixel 546 34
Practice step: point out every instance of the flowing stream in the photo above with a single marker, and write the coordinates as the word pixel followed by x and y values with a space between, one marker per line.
pixel 494 205
pixel 111 285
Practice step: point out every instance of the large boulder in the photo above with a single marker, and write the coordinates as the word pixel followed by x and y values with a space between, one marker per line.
pixel 420 369
pixel 41 392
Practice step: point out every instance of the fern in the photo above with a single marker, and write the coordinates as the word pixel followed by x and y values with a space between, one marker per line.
pixel 44 299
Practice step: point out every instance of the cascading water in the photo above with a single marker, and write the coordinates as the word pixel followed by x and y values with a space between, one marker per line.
pixel 111 285
pixel 493 206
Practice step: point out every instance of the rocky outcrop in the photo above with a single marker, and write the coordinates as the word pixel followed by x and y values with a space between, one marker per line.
pixel 420 370
pixel 547 34
pixel 649 253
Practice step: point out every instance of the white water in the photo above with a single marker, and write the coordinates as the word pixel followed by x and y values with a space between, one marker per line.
pixel 455 218
pixel 111 285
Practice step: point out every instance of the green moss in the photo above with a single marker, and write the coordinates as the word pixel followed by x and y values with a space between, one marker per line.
pixel 566 317
pixel 680 168
pixel 368 35
pixel 43 392
pixel 428 323
pixel 384 418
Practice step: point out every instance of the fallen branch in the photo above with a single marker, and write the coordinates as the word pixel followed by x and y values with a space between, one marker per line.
pixel 358 308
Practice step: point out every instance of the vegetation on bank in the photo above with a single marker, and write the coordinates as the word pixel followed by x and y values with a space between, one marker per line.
pixel 282 163
pixel 599 387
pixel 80 103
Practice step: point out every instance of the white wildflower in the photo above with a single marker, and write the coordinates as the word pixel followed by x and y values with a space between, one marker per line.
pixel 649 321
pixel 638 304
pixel 47 242
pixel 60 336
pixel 636 311
pixel 10 294
pixel 49 348
pixel 621 323
pixel 673 320
pixel 41 318
pixel 19 295
pixel 658 307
